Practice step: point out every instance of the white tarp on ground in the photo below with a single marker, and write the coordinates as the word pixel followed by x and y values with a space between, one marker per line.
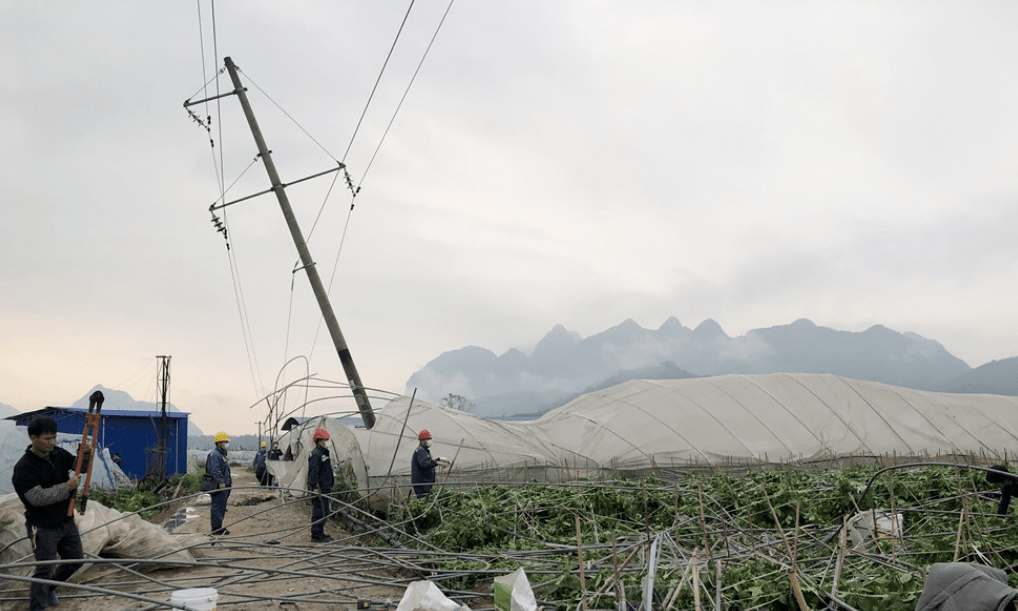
pixel 644 423
pixel 14 440
pixel 104 531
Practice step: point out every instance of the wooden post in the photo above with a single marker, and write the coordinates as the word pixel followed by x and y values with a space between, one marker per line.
pixel 957 540
pixel 579 553
pixel 842 543
pixel 674 595
pixel 615 573
pixel 796 590
pixel 696 584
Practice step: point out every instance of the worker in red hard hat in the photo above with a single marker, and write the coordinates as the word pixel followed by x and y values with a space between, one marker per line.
pixel 422 465
pixel 320 481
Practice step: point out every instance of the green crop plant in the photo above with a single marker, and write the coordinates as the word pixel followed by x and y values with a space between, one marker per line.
pixel 752 529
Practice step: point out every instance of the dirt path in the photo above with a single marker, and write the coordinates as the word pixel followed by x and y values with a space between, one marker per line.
pixel 268 561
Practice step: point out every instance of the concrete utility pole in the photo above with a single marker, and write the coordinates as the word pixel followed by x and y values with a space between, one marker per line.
pixel 360 396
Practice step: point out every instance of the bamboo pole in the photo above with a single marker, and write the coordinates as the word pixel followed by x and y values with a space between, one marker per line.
pixel 674 594
pixel 957 540
pixel 842 542
pixel 894 522
pixel 796 590
pixel 646 510
pixel 579 554
pixel 703 520
pixel 615 566
pixel 795 534
pixel 717 585
pixel 696 584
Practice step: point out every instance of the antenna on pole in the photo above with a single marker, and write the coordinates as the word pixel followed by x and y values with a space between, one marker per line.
pixel 156 473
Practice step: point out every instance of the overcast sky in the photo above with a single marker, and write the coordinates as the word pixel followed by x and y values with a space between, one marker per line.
pixel 575 163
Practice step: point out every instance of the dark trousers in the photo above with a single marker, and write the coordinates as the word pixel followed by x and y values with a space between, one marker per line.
pixel 422 489
pixel 218 509
pixel 319 509
pixel 60 540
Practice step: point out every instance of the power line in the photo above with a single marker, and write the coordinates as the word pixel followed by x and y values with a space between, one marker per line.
pixel 378 80
pixel 218 163
pixel 405 93
pixel 392 120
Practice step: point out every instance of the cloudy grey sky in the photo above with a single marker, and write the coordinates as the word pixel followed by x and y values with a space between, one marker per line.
pixel 580 163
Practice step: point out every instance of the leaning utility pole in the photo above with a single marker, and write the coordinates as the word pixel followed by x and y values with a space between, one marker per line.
pixel 279 188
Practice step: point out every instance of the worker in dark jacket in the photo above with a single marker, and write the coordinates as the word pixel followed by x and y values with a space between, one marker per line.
pixel 43 483
pixel 320 482
pixel 422 465
pixel 218 467
pixel 261 474
pixel 999 476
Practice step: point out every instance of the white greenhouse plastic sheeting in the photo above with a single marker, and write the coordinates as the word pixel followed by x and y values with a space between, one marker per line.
pixel 776 417
pixel 641 424
pixel 104 531
pixel 473 443
pixel 291 475
pixel 14 441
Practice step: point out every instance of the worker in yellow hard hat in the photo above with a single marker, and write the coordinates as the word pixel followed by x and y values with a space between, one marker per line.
pixel 218 467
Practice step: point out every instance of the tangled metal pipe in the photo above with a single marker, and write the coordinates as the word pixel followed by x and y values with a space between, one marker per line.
pixel 365 563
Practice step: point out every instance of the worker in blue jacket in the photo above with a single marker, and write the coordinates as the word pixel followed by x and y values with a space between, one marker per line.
pixel 320 482
pixel 422 465
pixel 218 467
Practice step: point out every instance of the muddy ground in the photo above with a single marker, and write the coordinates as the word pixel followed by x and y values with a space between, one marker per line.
pixel 267 561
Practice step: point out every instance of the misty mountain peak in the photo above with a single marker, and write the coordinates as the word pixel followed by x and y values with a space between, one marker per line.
pixel 563 363
pixel 672 326
pixel 558 337
pixel 625 331
pixel 708 330
pixel 461 357
pixel 880 329
pixel 512 355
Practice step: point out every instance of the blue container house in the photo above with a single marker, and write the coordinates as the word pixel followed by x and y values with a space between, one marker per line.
pixel 133 434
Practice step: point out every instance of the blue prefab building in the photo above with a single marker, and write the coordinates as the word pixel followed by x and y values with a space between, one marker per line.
pixel 132 434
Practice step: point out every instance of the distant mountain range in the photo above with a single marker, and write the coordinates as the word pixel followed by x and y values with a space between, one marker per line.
pixel 564 365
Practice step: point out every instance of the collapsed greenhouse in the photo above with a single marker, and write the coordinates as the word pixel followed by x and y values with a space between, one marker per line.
pixel 715 422
pixel 660 495
pixel 744 473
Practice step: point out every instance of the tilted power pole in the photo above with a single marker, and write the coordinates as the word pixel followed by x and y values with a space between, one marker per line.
pixel 278 187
